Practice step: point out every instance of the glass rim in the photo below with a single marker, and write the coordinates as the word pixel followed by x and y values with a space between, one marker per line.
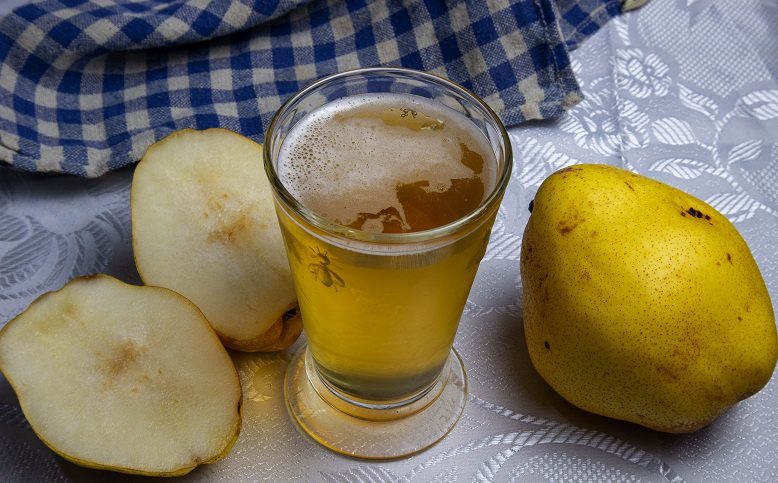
pixel 336 229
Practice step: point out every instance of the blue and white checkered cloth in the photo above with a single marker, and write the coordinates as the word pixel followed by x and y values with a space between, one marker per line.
pixel 87 85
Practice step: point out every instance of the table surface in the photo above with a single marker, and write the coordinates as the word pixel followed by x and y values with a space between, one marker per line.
pixel 683 91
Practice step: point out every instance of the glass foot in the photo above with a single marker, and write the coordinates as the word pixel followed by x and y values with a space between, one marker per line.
pixel 373 431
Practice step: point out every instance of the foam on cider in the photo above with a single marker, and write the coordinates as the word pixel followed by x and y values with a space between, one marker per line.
pixel 387 163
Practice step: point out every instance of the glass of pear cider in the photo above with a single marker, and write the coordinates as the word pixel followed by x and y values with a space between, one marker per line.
pixel 386 184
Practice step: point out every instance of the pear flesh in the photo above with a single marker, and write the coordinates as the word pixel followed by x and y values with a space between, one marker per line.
pixel 125 378
pixel 641 302
pixel 204 225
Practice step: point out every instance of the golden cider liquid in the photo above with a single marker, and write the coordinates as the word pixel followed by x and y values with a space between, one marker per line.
pixel 381 319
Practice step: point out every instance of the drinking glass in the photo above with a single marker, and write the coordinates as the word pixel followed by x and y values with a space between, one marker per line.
pixel 379 378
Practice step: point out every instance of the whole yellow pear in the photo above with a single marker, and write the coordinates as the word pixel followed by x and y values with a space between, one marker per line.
pixel 641 302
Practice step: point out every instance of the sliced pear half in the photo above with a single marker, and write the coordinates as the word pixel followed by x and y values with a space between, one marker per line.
pixel 204 226
pixel 125 378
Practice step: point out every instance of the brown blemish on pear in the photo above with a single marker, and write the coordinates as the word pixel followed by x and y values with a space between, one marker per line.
pixel 565 226
pixel 231 227
pixel 121 358
pixel 229 223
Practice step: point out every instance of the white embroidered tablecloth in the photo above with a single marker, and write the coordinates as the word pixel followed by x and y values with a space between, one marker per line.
pixel 684 91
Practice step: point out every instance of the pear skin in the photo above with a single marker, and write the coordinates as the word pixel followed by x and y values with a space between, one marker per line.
pixel 641 302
